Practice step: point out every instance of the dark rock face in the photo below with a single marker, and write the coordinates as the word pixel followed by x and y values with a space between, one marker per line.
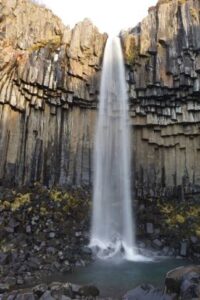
pixel 49 78
pixel 163 57
pixel 49 81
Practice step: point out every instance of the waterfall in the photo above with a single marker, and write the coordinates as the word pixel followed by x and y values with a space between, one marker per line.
pixel 112 223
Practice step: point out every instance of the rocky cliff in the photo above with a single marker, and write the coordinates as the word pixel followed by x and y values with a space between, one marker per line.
pixel 49 77
pixel 49 82
pixel 163 71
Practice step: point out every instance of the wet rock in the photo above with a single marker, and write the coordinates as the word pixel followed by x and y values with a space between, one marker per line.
pixel 51 250
pixel 63 297
pixel 12 295
pixel 34 263
pixel 4 258
pixel 80 263
pixel 183 249
pixel 89 291
pixel 55 286
pixel 174 278
pixel 147 292
pixel 10 280
pixel 47 296
pixel 149 228
pixel 28 229
pixel 9 229
pixel 4 287
pixel 25 296
pixel 189 290
pixel 190 285
pixel 141 245
pixel 40 289
pixel 68 290
pixel 78 234
pixel 57 293
pixel 52 235
pixel 20 281
pixel 171 252
pixel 157 243
pixel 75 288
pixel 166 250
pixel 29 279
pixel 194 239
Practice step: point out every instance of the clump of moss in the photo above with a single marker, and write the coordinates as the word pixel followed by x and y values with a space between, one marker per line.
pixel 131 49
pixel 68 200
pixel 56 195
pixel 53 43
pixel 181 2
pixel 5 205
pixel 43 211
pixel 184 216
pixel 180 219
pixel 194 13
pixel 20 201
pixel 55 203
pixel 197 231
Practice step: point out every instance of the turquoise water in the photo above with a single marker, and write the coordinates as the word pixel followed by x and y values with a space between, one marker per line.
pixel 114 279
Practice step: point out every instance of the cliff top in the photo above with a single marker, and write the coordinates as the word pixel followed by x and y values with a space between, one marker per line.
pixel 24 23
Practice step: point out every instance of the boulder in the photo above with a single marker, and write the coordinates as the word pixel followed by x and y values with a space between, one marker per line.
pixel 25 296
pixel 147 292
pixel 40 289
pixel 157 244
pixel 89 291
pixel 150 228
pixel 181 279
pixel 47 296
pixel 184 248
pixel 4 287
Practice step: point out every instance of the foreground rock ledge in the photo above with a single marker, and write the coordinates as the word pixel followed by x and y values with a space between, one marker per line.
pixel 56 290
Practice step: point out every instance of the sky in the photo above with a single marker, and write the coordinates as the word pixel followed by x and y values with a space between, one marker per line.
pixel 109 16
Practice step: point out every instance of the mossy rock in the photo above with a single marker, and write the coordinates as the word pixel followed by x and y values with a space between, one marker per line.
pixel 180 219
pixel 56 195
pixel 131 49
pixel 181 2
pixel 53 43
pixel 20 201
pixel 194 13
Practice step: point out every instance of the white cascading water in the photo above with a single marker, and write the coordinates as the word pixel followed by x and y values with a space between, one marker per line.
pixel 112 223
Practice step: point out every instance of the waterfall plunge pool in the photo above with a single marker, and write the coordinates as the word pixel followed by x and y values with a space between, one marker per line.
pixel 114 278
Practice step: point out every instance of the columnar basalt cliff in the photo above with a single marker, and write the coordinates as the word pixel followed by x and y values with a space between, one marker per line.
pixel 49 78
pixel 163 71
pixel 49 82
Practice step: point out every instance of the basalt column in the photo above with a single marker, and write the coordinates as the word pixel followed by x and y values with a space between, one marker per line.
pixel 49 81
pixel 163 74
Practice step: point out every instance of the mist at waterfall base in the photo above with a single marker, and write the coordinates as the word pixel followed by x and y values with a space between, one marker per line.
pixel 113 232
